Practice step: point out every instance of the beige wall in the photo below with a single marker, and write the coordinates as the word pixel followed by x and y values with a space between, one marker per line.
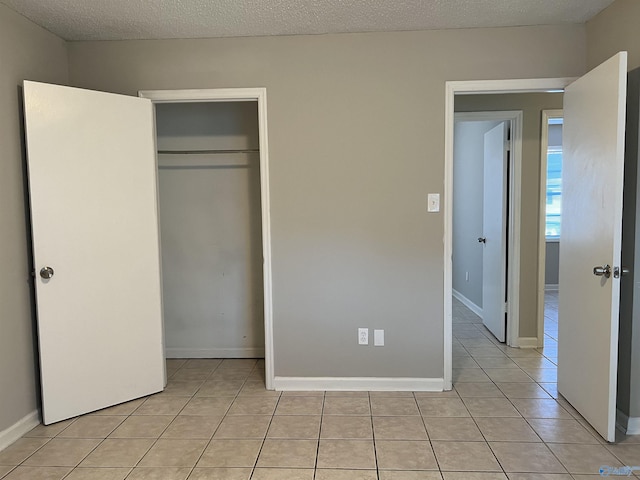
pixel 356 138
pixel 531 105
pixel 615 29
pixel 26 52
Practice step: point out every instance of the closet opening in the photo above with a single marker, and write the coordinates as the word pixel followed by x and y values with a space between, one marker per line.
pixel 212 174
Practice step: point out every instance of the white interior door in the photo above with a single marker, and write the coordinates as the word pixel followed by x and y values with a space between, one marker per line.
pixel 494 231
pixel 592 181
pixel 92 182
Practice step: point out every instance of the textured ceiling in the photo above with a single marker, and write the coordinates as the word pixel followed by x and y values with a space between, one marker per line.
pixel 154 19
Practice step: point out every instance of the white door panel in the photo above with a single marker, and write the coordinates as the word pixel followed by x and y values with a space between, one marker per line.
pixel 494 231
pixel 92 181
pixel 592 181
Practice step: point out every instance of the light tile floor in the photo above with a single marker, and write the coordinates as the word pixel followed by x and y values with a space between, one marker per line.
pixel 215 420
pixel 551 325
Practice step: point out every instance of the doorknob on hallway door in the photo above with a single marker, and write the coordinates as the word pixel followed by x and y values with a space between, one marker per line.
pixel 46 272
pixel 604 271
pixel 482 239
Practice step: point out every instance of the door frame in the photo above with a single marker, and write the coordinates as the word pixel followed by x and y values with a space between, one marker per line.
pixel 542 238
pixel 258 95
pixel 477 87
pixel 513 241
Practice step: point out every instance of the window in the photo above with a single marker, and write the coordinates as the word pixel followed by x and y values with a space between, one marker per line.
pixel 554 179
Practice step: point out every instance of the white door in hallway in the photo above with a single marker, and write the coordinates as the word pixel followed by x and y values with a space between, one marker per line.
pixel 92 182
pixel 592 177
pixel 494 231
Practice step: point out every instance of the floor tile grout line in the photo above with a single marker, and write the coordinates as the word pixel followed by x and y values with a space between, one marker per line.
pixel 433 450
pixel 94 449
pixel 483 437
pixel 157 438
pixel 264 439
pixel 221 420
pixel 72 467
pixel 373 437
pixel 34 452
pixel 315 464
pixel 175 417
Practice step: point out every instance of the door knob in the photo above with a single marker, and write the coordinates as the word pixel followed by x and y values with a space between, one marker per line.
pixel 604 271
pixel 482 239
pixel 46 272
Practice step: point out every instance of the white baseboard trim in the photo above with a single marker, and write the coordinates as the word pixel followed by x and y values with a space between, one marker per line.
pixel 467 303
pixel 551 287
pixel 18 429
pixel 626 424
pixel 171 352
pixel 528 342
pixel 633 426
pixel 359 384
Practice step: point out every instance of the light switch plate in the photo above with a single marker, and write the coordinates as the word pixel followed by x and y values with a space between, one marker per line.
pixel 433 202
pixel 378 338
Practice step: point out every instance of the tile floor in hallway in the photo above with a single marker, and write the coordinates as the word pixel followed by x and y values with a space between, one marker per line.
pixel 215 420
pixel 551 325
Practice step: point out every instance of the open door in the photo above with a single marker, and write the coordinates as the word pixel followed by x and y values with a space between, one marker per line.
pixel 92 182
pixel 494 231
pixel 589 283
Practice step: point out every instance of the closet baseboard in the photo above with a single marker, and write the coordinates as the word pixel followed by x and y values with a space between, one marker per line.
pixel 359 384
pixel 214 352
pixel 627 425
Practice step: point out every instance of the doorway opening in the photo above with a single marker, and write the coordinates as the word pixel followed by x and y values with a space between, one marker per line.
pixel 214 223
pixel 550 227
pixel 503 366
pixel 593 175
pixel 472 91
pixel 484 151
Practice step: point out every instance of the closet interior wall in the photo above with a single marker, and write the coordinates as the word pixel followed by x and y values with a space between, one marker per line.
pixel 210 225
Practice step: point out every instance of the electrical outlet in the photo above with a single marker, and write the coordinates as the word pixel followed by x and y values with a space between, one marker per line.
pixel 378 338
pixel 363 336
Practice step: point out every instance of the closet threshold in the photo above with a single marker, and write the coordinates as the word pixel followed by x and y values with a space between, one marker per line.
pixel 205 152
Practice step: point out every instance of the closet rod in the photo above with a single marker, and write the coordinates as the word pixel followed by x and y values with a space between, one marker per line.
pixel 206 152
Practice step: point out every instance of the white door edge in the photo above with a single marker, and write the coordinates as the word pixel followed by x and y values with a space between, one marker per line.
pixel 243 95
pixel 472 87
